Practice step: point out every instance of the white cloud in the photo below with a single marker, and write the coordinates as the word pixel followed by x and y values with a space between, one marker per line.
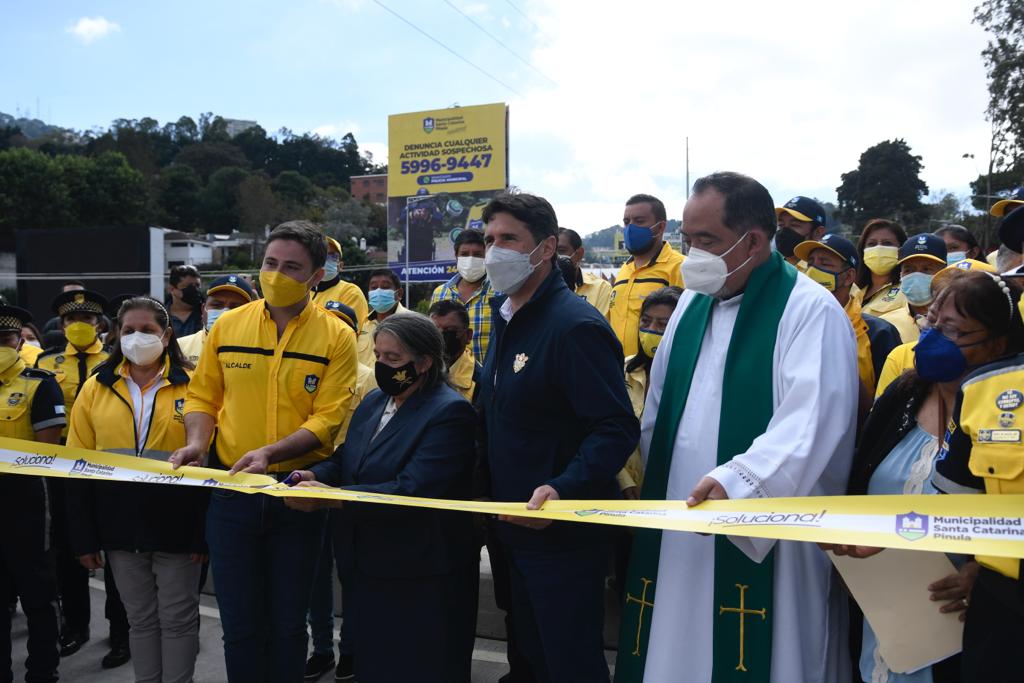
pixel 90 29
pixel 379 150
pixel 337 130
pixel 794 111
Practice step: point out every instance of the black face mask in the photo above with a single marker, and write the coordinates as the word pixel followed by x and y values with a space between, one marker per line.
pixel 191 296
pixel 393 381
pixel 453 346
pixel 786 241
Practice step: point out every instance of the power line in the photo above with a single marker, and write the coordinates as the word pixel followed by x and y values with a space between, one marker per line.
pixel 499 42
pixel 472 64
pixel 523 14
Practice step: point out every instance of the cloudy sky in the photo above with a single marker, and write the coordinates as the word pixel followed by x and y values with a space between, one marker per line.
pixel 602 94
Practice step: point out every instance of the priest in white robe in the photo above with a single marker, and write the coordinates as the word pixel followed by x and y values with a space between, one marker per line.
pixel 800 356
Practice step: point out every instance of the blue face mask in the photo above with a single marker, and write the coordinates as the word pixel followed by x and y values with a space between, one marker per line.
pixel 917 287
pixel 330 269
pixel 382 300
pixel 956 257
pixel 938 358
pixel 637 239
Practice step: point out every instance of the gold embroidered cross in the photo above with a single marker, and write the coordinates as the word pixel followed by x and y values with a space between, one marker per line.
pixel 642 601
pixel 743 612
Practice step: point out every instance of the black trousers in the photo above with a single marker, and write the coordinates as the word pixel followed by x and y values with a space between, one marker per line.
pixel 73 578
pixel 27 569
pixel 994 630
pixel 518 666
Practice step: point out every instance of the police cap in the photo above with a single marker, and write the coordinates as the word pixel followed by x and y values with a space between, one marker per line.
pixel 79 301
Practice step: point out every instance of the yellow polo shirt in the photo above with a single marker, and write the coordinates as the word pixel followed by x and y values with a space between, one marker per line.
pixel 366 381
pixel 631 287
pixel 597 291
pixel 348 294
pixel 192 345
pixel 261 389
pixel 72 367
pixel 365 341
pixel 890 304
pixel 636 386
pixel 460 374
pixel 897 362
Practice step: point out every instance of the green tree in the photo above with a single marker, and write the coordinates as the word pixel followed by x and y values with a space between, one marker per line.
pixel 258 205
pixel 32 191
pixel 178 197
pixel 293 188
pixel 220 211
pixel 885 184
pixel 207 157
pixel 116 192
pixel 1004 62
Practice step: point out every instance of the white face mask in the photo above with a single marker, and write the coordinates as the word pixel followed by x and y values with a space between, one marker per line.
pixel 211 316
pixel 508 269
pixel 36 344
pixel 141 348
pixel 706 273
pixel 471 268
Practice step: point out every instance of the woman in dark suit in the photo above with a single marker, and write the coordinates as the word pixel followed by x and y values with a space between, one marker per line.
pixel 414 572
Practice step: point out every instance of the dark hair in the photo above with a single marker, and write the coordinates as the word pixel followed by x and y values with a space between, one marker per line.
pixel 570 273
pixel 575 241
pixel 535 211
pixel 308 235
pixel 960 234
pixel 747 203
pixel 179 273
pixel 173 351
pixel 420 337
pixel 666 296
pixel 979 295
pixel 390 274
pixel 446 306
pixel 35 331
pixel 657 206
pixel 468 236
pixel 863 272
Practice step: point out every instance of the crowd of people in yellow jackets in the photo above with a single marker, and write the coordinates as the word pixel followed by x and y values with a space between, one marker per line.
pixel 302 377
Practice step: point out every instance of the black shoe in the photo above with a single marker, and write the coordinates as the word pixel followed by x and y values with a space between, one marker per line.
pixel 119 654
pixel 317 665
pixel 72 641
pixel 346 669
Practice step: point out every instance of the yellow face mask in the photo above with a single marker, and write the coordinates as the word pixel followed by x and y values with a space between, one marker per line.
pixel 80 334
pixel 649 341
pixel 881 260
pixel 8 357
pixel 280 290
pixel 829 281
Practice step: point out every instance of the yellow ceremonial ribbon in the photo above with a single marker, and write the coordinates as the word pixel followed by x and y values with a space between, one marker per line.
pixel 965 524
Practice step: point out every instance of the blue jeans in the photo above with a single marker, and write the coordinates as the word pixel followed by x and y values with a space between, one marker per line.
pixel 263 556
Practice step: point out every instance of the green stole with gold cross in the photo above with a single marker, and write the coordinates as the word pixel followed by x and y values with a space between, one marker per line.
pixel 743 588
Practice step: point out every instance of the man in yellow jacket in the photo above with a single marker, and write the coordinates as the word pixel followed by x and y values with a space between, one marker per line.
pixel 653 264
pixel 226 293
pixel 276 390
pixel 832 262
pixel 333 288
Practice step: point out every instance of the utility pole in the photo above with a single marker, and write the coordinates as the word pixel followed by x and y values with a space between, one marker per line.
pixel 687 167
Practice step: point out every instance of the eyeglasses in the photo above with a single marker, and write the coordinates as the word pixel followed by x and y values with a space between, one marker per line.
pixel 951 333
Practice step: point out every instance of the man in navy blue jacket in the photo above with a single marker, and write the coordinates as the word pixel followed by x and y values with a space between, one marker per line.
pixel 559 426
